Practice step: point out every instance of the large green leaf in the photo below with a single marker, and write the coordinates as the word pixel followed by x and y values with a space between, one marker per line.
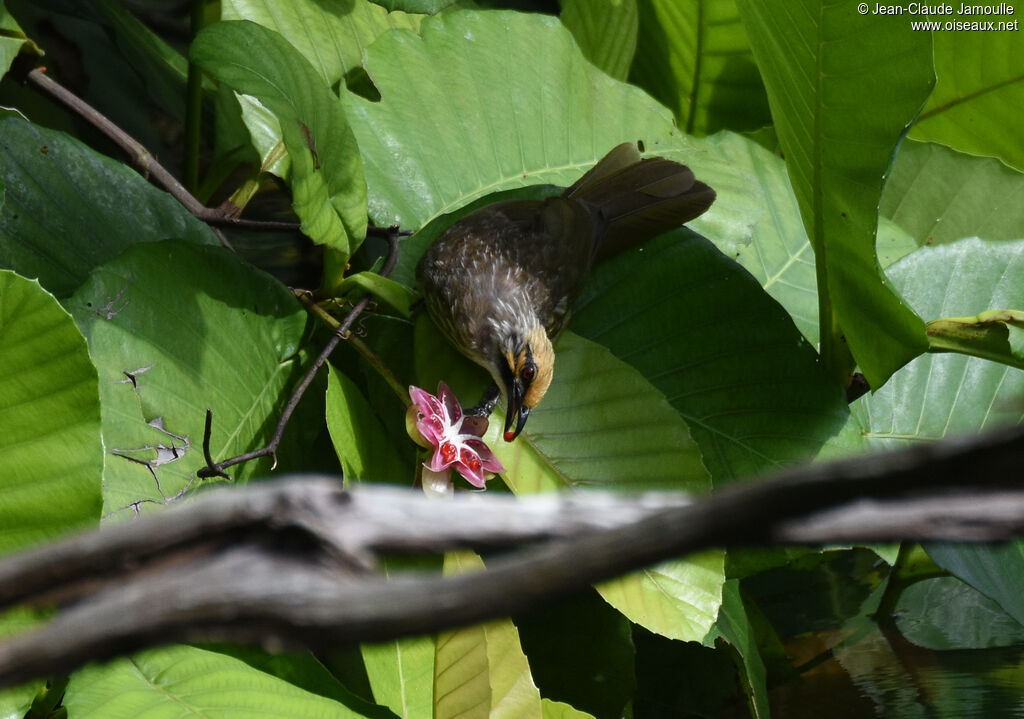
pixel 939 395
pixel 695 58
pixel 401 673
pixel 606 31
pixel 843 87
pixel 169 681
pixel 941 195
pixel 481 671
pixel 944 613
pixel 174 329
pixel 678 599
pixel 980 90
pixel 51 452
pixel 501 100
pixel 601 425
pixel 331 34
pixel 61 242
pixel 328 189
pixel 996 571
pixel 702 330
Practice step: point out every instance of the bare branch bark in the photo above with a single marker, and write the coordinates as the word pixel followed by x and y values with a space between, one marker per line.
pixel 291 562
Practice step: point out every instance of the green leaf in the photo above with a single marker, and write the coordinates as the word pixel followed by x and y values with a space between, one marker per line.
pixel 12 40
pixel 328 188
pixel 331 34
pixel 944 613
pixel 164 682
pixel 51 452
pixel 937 395
pixel 401 673
pixel 695 58
pixel 940 195
pixel 362 445
pixel 561 710
pixel 726 356
pixel 396 295
pixel 734 626
pixel 512 102
pixel 678 599
pixel 843 88
pixel 174 329
pixel 481 671
pixel 601 425
pixel 995 570
pixel 606 31
pixel 979 92
pixel 996 335
pixel 60 242
pixel 774 246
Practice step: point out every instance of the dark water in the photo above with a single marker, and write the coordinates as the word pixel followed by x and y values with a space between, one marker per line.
pixel 847 654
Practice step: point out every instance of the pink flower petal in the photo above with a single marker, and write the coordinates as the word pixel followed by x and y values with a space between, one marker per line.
pixel 489 462
pixel 451 403
pixel 470 467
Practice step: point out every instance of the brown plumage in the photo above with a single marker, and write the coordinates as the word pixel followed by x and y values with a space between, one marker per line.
pixel 500 282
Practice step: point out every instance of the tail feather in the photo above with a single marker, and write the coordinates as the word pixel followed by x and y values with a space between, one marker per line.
pixel 639 198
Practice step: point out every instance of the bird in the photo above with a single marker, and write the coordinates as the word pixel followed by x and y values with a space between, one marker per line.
pixel 500 283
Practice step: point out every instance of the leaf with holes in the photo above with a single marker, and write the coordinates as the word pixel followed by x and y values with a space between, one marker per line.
pixel 175 329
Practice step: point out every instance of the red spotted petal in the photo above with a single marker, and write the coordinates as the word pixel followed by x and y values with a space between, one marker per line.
pixel 488 461
pixel 470 467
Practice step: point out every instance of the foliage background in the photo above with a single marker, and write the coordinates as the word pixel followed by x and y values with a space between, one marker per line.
pixel 869 181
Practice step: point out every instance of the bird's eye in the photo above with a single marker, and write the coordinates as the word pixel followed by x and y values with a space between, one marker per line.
pixel 528 372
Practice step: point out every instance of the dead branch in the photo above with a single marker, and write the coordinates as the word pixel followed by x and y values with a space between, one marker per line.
pixel 290 563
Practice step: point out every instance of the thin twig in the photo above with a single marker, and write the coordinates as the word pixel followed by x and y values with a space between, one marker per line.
pixel 342 332
pixel 148 165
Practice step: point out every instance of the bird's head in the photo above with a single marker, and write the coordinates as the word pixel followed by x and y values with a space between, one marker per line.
pixel 525 368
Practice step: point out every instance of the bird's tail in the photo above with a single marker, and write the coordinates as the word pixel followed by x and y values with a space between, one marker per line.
pixel 637 199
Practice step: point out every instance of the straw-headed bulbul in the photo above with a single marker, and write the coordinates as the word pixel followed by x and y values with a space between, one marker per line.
pixel 501 281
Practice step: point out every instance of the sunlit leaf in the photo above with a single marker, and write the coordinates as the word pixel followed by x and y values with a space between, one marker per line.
pixel 331 34
pixel 824 65
pixel 159 682
pixel 328 189
pixel 940 195
pixel 51 453
pixel 512 102
pixel 481 670
pixel 175 329
pixel 980 89
pixel 938 395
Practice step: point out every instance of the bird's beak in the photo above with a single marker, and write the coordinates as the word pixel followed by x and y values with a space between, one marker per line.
pixel 517 410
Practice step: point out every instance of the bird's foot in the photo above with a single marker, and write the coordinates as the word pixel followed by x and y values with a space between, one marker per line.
pixel 485 406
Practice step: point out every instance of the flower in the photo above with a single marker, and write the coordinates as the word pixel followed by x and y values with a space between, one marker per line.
pixel 454 437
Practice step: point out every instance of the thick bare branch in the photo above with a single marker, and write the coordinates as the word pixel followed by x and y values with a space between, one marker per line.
pixel 290 562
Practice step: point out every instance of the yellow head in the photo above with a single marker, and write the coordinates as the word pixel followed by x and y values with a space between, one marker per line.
pixel 526 374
